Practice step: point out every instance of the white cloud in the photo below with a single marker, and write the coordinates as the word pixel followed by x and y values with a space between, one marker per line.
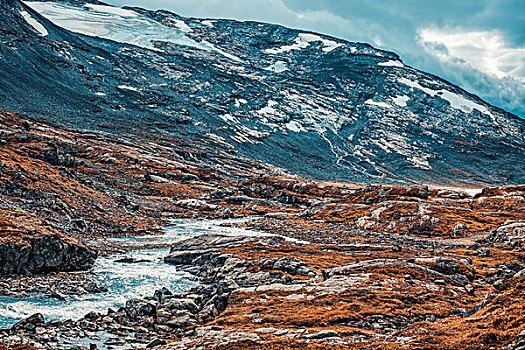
pixel 480 62
pixel 485 50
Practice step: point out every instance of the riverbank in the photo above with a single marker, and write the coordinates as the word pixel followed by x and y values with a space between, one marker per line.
pixel 261 290
pixel 320 265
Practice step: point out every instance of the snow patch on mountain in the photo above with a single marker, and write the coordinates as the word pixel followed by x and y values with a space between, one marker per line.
pixel 302 41
pixel 400 100
pixel 299 44
pixel 391 63
pixel 247 135
pixel 269 108
pixel 212 47
pixel 208 23
pixel 421 163
pixel 121 25
pixel 456 101
pixel 329 45
pixel 294 126
pixel 277 67
pixel 181 25
pixel 228 118
pixel 117 11
pixel 112 23
pixel 378 103
pixel 34 23
pixel 125 87
pixel 239 102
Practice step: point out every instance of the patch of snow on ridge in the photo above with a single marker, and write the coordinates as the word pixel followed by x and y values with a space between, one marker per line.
pixel 329 45
pixel 225 54
pixel 421 163
pixel 379 104
pixel 416 85
pixel 112 10
pixel 277 67
pixel 391 63
pixel 125 87
pixel 456 101
pixel 239 102
pixel 34 23
pixel 459 102
pixel 269 108
pixel 208 23
pixel 183 27
pixel 112 23
pixel 302 41
pixel 401 101
pixel 294 126
pixel 117 24
pixel 229 118
pixel 298 45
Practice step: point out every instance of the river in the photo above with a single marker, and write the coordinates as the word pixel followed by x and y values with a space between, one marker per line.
pixel 124 281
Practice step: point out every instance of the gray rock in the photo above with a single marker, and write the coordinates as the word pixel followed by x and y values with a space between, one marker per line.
pixel 469 289
pixel 322 335
pixel 181 321
pixel 290 265
pixel 155 343
pixel 183 304
pixel 519 274
pixel 45 254
pixel 30 323
pixel 137 308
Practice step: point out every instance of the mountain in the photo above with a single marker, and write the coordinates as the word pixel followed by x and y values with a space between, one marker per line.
pixel 317 106
pixel 136 153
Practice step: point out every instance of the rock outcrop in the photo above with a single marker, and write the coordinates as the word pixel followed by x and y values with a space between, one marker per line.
pixel 29 247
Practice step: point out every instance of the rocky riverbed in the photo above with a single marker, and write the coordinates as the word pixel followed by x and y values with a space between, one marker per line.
pixel 258 290
pixel 320 265
pixel 113 281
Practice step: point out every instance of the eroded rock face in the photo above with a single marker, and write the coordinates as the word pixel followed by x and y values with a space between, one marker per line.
pixel 29 247
pixel 43 255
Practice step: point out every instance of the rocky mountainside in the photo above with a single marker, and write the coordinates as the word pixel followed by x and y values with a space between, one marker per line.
pixel 316 106
pixel 119 120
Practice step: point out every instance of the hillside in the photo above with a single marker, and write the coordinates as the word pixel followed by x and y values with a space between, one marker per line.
pixel 319 107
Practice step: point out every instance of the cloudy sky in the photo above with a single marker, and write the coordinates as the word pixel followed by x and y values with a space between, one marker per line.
pixel 477 44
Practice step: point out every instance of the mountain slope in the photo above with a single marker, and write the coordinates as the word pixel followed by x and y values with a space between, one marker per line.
pixel 314 105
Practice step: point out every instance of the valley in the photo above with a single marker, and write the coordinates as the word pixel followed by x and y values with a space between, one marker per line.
pixel 185 183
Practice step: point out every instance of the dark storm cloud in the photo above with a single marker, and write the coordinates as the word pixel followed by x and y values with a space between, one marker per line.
pixel 477 44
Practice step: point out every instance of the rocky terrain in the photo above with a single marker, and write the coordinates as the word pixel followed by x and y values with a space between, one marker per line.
pixel 296 100
pixel 388 204
pixel 83 184
pixel 361 267
pixel 268 292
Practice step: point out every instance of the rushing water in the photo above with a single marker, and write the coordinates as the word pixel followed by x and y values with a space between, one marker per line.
pixel 124 281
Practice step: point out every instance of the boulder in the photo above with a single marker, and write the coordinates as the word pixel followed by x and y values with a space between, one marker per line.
pixel 182 304
pixel 30 323
pixel 290 265
pixel 137 308
pixel 43 254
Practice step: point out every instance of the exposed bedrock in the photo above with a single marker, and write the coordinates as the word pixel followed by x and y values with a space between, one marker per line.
pixel 45 254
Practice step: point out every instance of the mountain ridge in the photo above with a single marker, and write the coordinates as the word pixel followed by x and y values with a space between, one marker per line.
pixel 162 131
pixel 344 110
